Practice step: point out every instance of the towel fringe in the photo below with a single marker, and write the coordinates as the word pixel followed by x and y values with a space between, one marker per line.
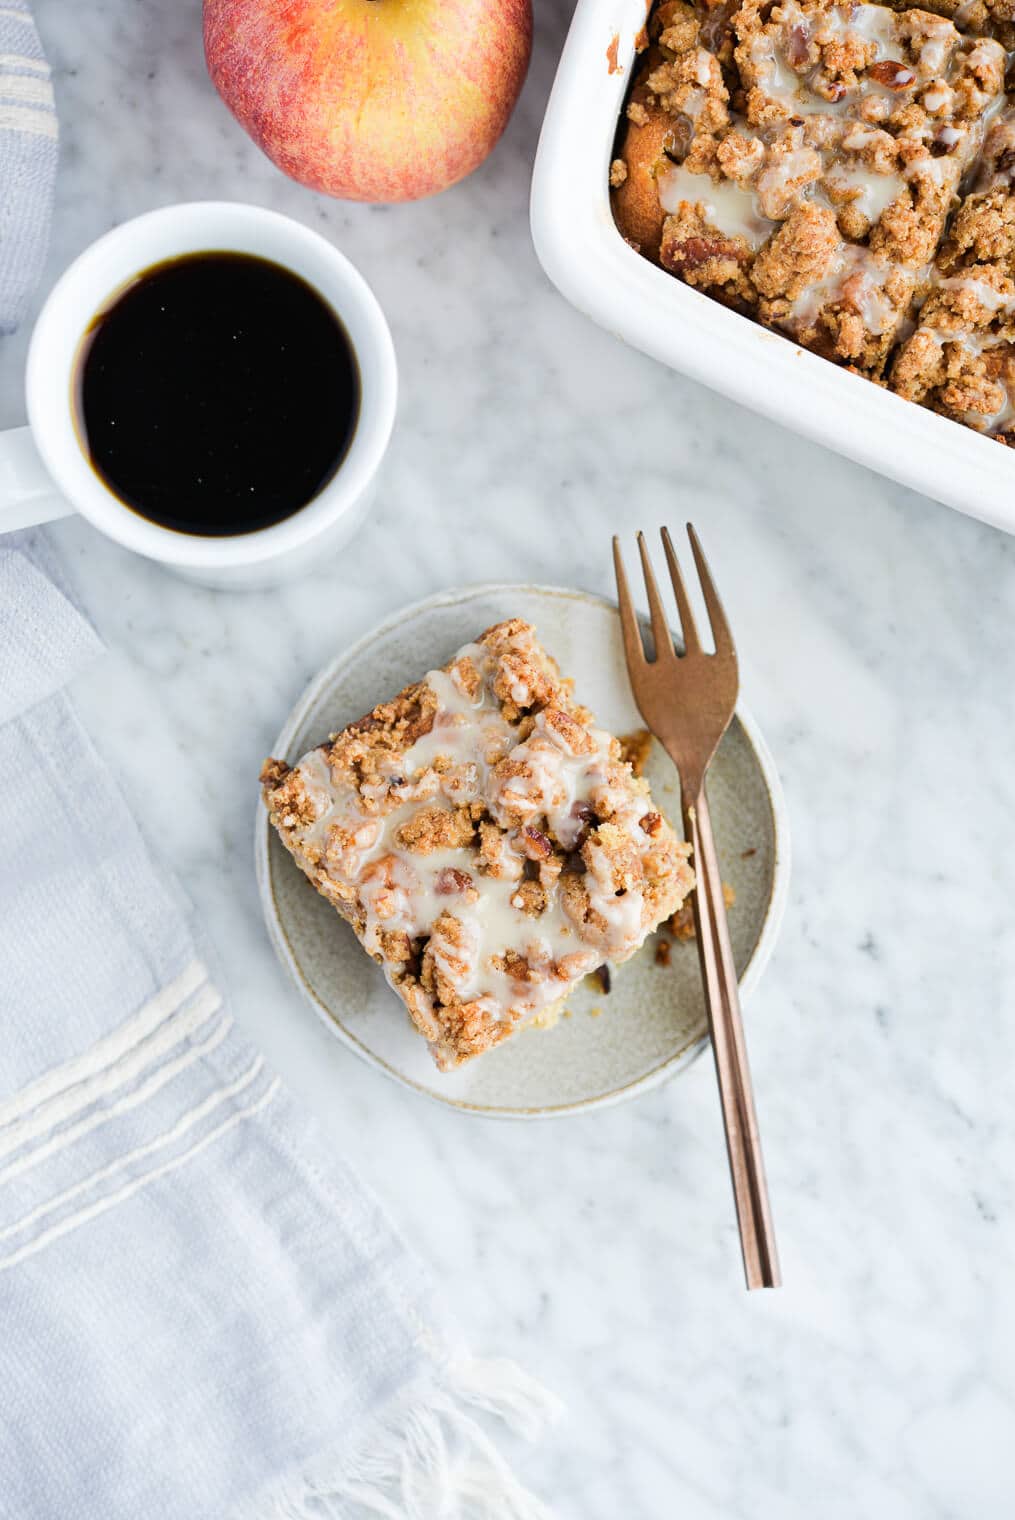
pixel 429 1458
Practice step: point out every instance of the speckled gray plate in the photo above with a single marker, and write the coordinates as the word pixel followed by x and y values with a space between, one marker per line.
pixel 652 1024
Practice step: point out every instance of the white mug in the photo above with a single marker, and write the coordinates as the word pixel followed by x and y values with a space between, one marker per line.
pixel 45 472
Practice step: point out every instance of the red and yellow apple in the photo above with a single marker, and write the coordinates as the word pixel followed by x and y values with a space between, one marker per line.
pixel 370 100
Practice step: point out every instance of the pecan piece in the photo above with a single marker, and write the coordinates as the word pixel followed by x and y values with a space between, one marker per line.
pixel 892 74
pixel 695 251
pixel 1005 165
pixel 585 814
pixel 677 142
pixel 537 845
pixel 833 91
pixel 797 50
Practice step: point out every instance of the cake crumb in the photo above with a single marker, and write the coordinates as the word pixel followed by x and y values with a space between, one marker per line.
pixel 635 748
pixel 681 924
pixel 600 979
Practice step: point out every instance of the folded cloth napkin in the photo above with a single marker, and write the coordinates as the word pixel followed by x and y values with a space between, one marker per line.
pixel 202 1312
pixel 28 140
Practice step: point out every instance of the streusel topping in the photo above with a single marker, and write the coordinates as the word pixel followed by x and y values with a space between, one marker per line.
pixel 487 842
pixel 960 360
pixel 804 162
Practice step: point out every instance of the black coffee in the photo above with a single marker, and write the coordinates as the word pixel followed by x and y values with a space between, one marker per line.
pixel 218 394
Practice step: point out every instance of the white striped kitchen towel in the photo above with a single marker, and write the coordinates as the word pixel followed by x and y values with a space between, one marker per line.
pixel 28 145
pixel 202 1312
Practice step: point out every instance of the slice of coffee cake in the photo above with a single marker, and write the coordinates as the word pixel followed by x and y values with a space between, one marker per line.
pixel 487 843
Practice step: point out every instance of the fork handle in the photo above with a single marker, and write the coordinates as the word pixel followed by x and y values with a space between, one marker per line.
pixel 722 1001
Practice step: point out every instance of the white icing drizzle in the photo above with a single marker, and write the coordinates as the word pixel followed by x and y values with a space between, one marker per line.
pixel 942 55
pixel 693 103
pixel 990 299
pixel 944 172
pixel 776 77
pixel 875 191
pixel 874 23
pixel 555 779
pixel 977 343
pixel 725 206
pixel 995 422
pixel 984 53
pixel 704 64
pixel 999 142
pixel 819 166
pixel 784 180
pixel 933 59
pixel 779 82
pixel 866 276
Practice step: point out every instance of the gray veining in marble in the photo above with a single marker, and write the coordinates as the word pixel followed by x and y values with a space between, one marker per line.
pixel 877 634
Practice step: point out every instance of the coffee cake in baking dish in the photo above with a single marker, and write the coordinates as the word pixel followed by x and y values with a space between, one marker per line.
pixel 960 359
pixel 487 843
pixel 818 165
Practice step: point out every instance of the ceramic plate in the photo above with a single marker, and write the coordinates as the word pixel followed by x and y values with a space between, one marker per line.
pixel 652 1023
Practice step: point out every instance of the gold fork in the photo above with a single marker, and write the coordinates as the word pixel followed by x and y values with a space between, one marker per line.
pixel 687 701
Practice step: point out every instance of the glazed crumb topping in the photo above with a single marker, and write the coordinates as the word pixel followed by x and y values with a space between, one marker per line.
pixel 831 169
pixel 488 843
pixel 960 359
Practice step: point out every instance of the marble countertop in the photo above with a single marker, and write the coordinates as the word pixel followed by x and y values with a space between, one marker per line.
pixel 876 631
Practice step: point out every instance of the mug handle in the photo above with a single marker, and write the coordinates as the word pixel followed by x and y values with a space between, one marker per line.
pixel 27 494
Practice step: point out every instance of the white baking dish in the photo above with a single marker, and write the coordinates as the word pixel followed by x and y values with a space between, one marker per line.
pixel 583 253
